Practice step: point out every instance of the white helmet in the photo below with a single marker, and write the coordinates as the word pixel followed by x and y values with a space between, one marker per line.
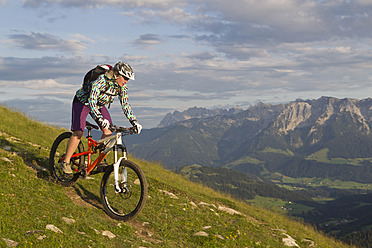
pixel 124 70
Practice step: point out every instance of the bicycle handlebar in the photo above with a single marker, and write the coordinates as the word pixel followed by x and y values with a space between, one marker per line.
pixel 124 130
pixel 113 128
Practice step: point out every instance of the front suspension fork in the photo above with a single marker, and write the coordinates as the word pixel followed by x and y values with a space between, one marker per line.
pixel 123 175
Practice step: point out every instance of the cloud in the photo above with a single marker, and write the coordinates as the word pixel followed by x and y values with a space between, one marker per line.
pixel 100 3
pixel 178 95
pixel 69 70
pixel 291 21
pixel 242 51
pixel 148 116
pixel 364 2
pixel 252 28
pixel 135 57
pixel 19 69
pixel 147 40
pixel 175 15
pixel 44 41
pixel 253 20
pixel 202 56
pixel 45 109
pixel 47 84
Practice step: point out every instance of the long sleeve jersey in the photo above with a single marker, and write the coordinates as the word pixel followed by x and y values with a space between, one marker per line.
pixel 102 92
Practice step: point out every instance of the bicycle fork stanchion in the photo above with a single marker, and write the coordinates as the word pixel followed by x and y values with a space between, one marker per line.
pixel 119 145
pixel 116 176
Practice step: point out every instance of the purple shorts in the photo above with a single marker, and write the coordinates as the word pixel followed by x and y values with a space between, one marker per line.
pixel 80 113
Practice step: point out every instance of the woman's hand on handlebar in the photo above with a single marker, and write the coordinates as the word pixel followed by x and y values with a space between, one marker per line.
pixel 128 130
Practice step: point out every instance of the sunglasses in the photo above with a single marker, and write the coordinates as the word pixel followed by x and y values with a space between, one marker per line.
pixel 118 76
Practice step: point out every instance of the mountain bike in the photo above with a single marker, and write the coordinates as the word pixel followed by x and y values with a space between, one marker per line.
pixel 123 189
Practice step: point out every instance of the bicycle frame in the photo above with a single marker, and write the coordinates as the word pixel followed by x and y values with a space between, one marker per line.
pixel 112 142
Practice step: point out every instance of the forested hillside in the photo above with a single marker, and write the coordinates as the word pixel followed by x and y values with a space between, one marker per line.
pixel 238 184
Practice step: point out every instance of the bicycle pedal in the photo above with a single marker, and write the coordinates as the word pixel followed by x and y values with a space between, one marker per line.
pixel 83 174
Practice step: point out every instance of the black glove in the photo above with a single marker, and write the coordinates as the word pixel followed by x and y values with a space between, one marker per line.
pixel 104 123
pixel 137 126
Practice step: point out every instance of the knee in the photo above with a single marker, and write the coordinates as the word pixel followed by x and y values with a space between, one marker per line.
pixel 78 134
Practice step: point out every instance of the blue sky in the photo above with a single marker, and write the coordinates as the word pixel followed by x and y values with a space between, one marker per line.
pixel 211 53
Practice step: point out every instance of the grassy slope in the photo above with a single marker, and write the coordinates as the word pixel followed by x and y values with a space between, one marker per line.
pixel 29 201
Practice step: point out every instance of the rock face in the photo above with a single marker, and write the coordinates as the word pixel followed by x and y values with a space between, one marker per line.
pixel 316 113
pixel 177 116
pixel 292 116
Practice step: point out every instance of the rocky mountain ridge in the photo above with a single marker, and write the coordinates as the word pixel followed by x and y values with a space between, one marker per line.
pixel 271 138
pixel 300 114
pixel 195 112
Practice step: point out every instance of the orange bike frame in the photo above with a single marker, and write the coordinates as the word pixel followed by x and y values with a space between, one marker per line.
pixel 91 144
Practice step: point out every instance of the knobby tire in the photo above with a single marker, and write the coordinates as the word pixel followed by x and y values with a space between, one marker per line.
pixel 56 155
pixel 128 204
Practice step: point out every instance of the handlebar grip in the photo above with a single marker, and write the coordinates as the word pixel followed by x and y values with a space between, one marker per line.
pixel 128 130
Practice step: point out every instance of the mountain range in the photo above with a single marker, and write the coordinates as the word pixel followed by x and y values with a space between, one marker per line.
pixel 326 137
pixel 195 112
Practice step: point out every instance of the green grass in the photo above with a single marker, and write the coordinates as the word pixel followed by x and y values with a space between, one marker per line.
pixel 19 125
pixel 322 156
pixel 244 160
pixel 279 205
pixel 323 182
pixel 286 152
pixel 30 200
pixel 306 182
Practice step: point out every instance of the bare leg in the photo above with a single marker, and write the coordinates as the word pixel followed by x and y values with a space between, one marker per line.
pixel 103 163
pixel 106 133
pixel 73 144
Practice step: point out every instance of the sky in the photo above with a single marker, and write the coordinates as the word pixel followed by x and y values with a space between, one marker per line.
pixel 210 53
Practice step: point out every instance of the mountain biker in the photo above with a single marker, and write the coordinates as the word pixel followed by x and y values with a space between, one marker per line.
pixel 92 101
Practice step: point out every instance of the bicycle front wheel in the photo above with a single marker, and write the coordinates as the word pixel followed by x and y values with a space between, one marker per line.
pixel 57 154
pixel 129 202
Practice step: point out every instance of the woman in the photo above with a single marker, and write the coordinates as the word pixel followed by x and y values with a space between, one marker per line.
pixel 92 100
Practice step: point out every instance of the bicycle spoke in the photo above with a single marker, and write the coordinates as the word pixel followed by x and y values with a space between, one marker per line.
pixel 57 156
pixel 130 201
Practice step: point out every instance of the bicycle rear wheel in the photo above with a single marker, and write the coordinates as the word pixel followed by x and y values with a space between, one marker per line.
pixel 127 204
pixel 56 156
